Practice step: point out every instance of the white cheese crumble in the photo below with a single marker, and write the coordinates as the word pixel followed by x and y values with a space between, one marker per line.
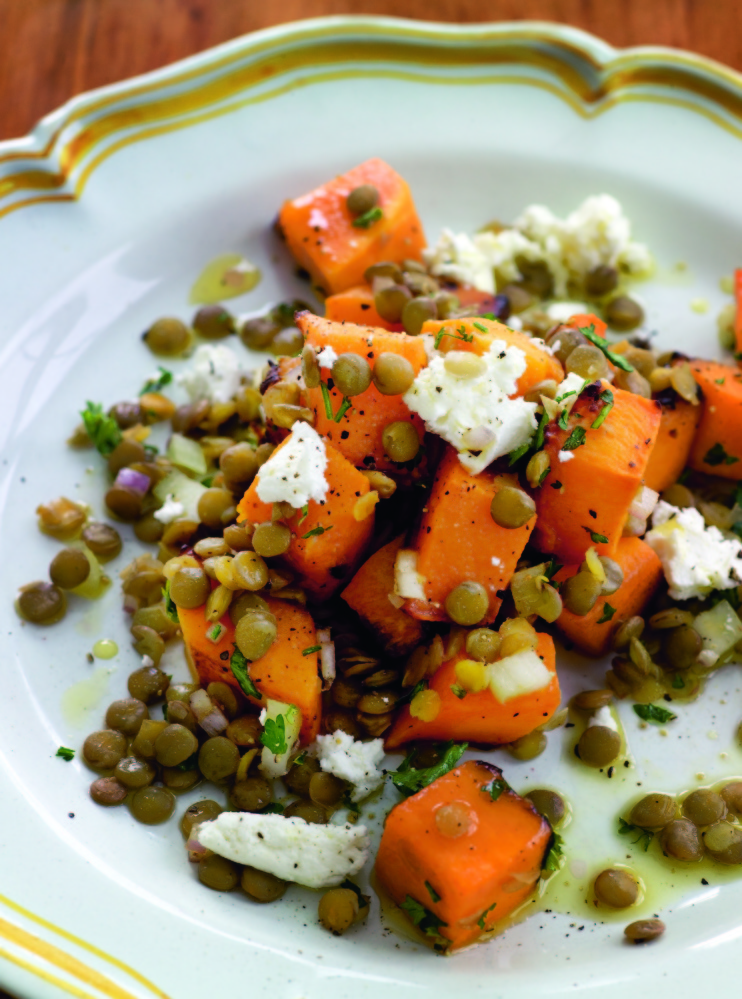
pixel 327 357
pixel 317 220
pixel 603 717
pixel 357 762
pixel 318 856
pixel 596 233
pixel 408 582
pixel 170 510
pixel 295 472
pixel 566 455
pixel 562 312
pixel 696 559
pixel 476 415
pixel 215 374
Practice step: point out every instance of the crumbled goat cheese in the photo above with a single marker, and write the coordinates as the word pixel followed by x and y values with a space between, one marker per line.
pixel 295 472
pixel 318 856
pixel 356 762
pixel 216 374
pixel 170 510
pixel 327 357
pixel 596 233
pixel 696 559
pixel 408 582
pixel 562 312
pixel 317 220
pixel 476 414
pixel 604 718
pixel 566 455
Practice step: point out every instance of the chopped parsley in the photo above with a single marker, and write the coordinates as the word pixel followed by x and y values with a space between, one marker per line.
pixel 654 713
pixel 607 398
pixel 300 758
pixel 311 649
pixel 518 453
pixel 555 854
pixel 562 421
pixel 607 614
pixel 566 395
pixel 597 539
pixel 644 836
pixel 478 326
pixel 368 218
pixel 459 691
pixel 575 439
pixel 190 764
pixel 304 514
pixel 480 921
pixel 344 407
pixel 273 735
pixel 327 400
pixel 102 430
pixel 678 682
pixel 602 343
pixel 65 754
pixel 719 381
pixel 432 892
pixel 461 334
pixel 551 568
pixel 215 632
pixel 538 440
pixel 425 920
pixel 316 531
pixel 274 808
pixel 408 779
pixel 155 384
pixel 238 665
pixel 718 456
pixel 420 685
pixel 495 788
pixel 170 609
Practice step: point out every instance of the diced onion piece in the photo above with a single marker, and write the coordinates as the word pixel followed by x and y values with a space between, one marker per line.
pixel 395 600
pixel 129 478
pixel 208 715
pixel 643 503
pixel 521 673
pixel 478 438
pixel 408 583
pixel 720 629
pixel 326 657
pixel 595 565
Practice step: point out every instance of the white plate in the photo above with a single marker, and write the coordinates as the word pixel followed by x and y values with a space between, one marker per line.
pixel 107 213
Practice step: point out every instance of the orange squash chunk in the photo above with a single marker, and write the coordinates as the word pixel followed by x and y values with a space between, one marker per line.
pixel 322 560
pixel 479 875
pixel 717 448
pixel 356 305
pixel 591 493
pixel 320 233
pixel 368 595
pixel 540 364
pixel 284 673
pixel 458 540
pixel 358 435
pixel 481 717
pixel 674 440
pixel 642 574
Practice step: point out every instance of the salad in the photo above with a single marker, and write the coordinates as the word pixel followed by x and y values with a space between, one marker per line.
pixel 378 541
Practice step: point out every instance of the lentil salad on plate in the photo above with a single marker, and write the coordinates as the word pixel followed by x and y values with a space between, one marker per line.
pixel 372 543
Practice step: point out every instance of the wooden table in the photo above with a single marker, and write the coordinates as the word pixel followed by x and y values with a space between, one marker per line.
pixel 52 49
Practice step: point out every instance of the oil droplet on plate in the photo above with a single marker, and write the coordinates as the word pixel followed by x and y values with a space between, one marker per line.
pixel 226 276
pixel 699 305
pixel 105 648
pixel 83 697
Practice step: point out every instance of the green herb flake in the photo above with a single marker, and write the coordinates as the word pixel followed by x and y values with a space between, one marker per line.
pixel 304 514
pixel 215 632
pixel 347 802
pixel 462 335
pixel 562 421
pixel 311 649
pixel 65 754
pixel 274 808
pixel 316 531
pixel 602 343
pixel 480 921
pixel 300 759
pixel 238 665
pixel 155 384
pixel 718 456
pixel 190 764
pixel 495 788
pixel 597 539
pixel 170 609
pixel 678 683
pixel 543 475
pixel 412 692
pixel 552 568
pixel 344 407
pixel 208 481
pixel 425 920
pixel 607 614
pixel 555 854
pixel 719 381
pixel 273 735
pixel 102 430
pixel 561 398
pixel 368 218
pixel 408 779
pixel 459 691
pixel 538 440
pixel 518 453
pixel 607 398
pixel 654 713
pixel 327 401
pixel 643 836
pixel 432 892
pixel 478 326
pixel 575 439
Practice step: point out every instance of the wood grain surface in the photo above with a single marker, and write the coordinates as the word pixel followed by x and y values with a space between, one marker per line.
pixel 53 49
